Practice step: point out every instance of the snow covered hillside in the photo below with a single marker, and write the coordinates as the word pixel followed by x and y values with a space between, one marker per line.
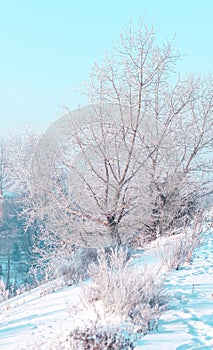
pixel 37 320
pixel 189 322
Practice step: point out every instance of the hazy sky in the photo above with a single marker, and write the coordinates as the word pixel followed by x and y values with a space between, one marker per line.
pixel 48 47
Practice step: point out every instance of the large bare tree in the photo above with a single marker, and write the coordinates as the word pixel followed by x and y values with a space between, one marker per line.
pixel 141 155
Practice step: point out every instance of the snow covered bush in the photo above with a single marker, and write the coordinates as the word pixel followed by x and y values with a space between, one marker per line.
pixel 121 292
pixel 75 269
pixel 177 250
pixel 3 291
pixel 208 219
pixel 100 338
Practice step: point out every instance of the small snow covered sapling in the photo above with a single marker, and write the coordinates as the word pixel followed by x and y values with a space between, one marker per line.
pixel 3 291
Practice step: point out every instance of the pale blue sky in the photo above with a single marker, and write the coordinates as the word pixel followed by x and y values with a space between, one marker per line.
pixel 48 47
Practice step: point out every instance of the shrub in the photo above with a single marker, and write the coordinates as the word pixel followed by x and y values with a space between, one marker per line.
pixel 4 293
pixel 180 250
pixel 100 338
pixel 122 292
pixel 75 269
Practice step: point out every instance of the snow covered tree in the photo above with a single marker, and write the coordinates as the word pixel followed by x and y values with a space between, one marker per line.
pixel 136 159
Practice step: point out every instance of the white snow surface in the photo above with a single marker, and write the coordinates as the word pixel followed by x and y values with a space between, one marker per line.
pixel 188 324
pixel 34 319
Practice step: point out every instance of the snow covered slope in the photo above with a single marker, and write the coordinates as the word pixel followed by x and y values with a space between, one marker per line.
pixel 33 320
pixel 189 322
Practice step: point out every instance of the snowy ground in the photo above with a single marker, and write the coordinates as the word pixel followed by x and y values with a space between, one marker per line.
pixel 32 320
pixel 189 322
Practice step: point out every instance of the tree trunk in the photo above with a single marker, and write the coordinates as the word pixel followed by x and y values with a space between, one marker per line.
pixel 114 234
pixel 8 272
